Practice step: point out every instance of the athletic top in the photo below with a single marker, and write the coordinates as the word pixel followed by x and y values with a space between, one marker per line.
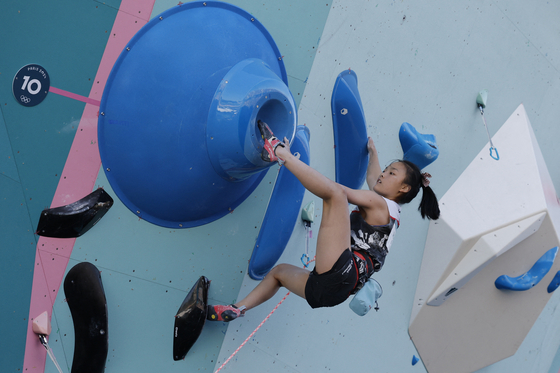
pixel 375 240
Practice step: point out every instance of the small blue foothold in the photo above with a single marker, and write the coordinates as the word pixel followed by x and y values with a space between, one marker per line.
pixel 414 359
pixel 554 283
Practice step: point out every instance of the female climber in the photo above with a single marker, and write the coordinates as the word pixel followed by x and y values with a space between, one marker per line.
pixel 350 247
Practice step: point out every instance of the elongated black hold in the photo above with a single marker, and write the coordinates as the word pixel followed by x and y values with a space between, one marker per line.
pixel 86 299
pixel 190 318
pixel 74 219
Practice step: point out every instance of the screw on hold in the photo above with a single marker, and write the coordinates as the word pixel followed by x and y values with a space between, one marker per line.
pixel 102 113
pixel 108 169
pixel 204 4
pixel 161 18
pixel 481 98
pixel 252 20
pixel 127 48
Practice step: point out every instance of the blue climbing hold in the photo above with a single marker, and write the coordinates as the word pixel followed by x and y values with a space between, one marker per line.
pixel 349 130
pixel 418 148
pixel 554 283
pixel 177 129
pixel 281 214
pixel 531 277
pixel 414 360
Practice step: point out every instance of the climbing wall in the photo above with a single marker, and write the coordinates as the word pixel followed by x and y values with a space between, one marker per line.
pixel 409 70
pixel 416 62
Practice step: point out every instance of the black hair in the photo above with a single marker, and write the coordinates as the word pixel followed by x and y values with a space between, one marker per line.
pixel 429 206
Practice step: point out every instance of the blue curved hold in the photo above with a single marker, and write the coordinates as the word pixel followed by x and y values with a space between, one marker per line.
pixel 418 148
pixel 350 135
pixel 177 128
pixel 282 213
pixel 531 277
pixel 554 283
pixel 414 360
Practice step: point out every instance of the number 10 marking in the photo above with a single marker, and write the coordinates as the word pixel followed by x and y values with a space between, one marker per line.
pixel 27 83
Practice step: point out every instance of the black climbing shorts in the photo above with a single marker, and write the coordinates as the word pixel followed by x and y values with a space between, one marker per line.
pixel 334 286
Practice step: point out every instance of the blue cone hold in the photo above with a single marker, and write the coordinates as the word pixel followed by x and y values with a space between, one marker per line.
pixel 177 129
pixel 418 148
pixel 414 360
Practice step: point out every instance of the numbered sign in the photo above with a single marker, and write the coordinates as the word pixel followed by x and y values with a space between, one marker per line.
pixel 31 85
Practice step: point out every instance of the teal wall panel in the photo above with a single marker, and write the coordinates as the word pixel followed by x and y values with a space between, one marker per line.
pixel 67 38
pixel 7 162
pixel 17 248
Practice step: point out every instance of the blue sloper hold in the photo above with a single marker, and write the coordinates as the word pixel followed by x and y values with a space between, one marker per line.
pixel 349 131
pixel 418 148
pixel 281 214
pixel 554 283
pixel 531 277
pixel 414 360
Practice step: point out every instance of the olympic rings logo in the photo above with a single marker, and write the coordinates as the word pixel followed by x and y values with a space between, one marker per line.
pixel 25 99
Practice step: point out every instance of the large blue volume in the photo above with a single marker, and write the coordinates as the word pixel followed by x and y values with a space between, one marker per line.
pixel 281 214
pixel 350 134
pixel 177 127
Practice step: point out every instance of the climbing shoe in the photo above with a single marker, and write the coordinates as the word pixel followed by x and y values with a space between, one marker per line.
pixel 270 143
pixel 224 313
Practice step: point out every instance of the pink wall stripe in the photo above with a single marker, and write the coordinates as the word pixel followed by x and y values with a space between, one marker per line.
pixel 74 96
pixel 78 178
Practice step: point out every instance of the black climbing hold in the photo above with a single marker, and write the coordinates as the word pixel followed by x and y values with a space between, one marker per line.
pixel 75 219
pixel 190 318
pixel 86 299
